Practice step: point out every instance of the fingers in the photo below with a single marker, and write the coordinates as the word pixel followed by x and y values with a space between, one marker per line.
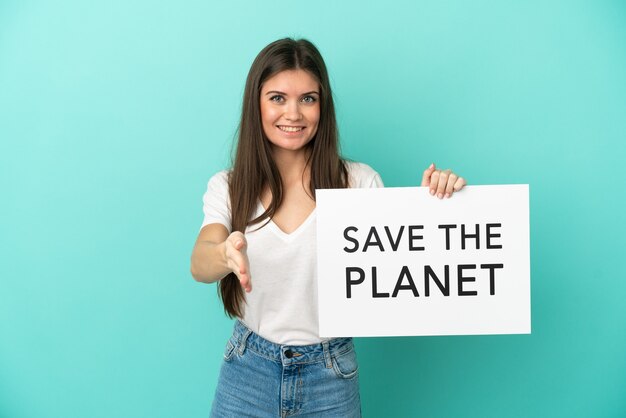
pixel 237 259
pixel 426 176
pixel 442 183
pixel 452 178
pixel 241 270
pixel 459 184
pixel 244 280
pixel 434 181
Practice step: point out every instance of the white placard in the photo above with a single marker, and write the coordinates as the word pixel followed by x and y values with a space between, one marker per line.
pixel 398 261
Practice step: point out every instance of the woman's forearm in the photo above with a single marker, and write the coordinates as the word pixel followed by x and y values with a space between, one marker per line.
pixel 208 262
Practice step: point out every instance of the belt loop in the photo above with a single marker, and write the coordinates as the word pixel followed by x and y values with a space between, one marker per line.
pixel 242 343
pixel 326 348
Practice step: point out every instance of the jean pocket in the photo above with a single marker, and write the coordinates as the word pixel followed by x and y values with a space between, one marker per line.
pixel 345 364
pixel 229 351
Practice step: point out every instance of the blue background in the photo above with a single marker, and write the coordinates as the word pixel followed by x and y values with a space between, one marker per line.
pixel 114 114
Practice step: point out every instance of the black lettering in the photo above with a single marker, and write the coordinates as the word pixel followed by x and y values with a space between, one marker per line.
pixel 352 240
pixel 394 244
pixel 465 236
pixel 375 293
pixel 399 286
pixel 492 275
pixel 350 282
pixel 490 235
pixel 373 239
pixel 415 237
pixel 429 273
pixel 447 228
pixel 463 279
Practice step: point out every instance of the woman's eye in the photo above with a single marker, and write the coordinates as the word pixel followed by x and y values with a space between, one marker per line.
pixel 276 99
pixel 309 99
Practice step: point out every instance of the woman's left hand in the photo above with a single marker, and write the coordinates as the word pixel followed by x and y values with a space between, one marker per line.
pixel 443 183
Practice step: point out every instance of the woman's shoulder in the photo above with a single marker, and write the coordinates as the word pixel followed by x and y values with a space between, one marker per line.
pixel 217 186
pixel 216 201
pixel 219 179
pixel 362 175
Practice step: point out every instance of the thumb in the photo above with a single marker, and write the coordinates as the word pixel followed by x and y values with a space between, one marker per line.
pixel 237 240
pixel 427 173
pixel 239 244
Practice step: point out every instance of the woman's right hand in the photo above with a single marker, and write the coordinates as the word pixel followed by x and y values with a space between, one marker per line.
pixel 236 258
pixel 217 253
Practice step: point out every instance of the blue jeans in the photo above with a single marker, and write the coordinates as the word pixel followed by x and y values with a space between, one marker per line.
pixel 259 378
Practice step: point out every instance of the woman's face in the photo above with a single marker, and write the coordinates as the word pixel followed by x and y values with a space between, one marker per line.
pixel 290 109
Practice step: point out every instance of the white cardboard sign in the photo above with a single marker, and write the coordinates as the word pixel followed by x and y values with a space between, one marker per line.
pixel 398 261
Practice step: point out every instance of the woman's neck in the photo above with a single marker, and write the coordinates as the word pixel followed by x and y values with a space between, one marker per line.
pixel 292 165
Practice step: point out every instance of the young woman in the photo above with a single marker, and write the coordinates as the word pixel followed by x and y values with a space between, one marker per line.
pixel 257 241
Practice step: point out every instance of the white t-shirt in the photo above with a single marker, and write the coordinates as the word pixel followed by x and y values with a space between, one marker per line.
pixel 282 306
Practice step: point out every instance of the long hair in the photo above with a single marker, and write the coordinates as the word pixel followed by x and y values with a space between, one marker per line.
pixel 254 167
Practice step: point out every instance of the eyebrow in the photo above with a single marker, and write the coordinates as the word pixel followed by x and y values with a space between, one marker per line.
pixel 285 94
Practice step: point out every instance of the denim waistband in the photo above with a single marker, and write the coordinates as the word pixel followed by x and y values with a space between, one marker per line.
pixel 244 338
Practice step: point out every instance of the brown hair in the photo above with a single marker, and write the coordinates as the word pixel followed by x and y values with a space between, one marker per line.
pixel 254 167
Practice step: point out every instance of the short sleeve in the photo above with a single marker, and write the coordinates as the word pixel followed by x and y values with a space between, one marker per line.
pixel 216 202
pixel 376 181
pixel 362 176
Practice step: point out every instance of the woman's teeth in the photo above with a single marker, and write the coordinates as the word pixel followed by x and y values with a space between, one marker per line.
pixel 290 128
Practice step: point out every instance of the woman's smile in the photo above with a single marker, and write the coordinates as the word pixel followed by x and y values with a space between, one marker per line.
pixel 290 129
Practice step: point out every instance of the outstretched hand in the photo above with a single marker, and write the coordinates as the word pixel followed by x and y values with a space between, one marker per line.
pixel 236 258
pixel 443 183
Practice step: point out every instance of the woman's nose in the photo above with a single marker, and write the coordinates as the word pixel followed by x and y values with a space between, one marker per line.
pixel 292 111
